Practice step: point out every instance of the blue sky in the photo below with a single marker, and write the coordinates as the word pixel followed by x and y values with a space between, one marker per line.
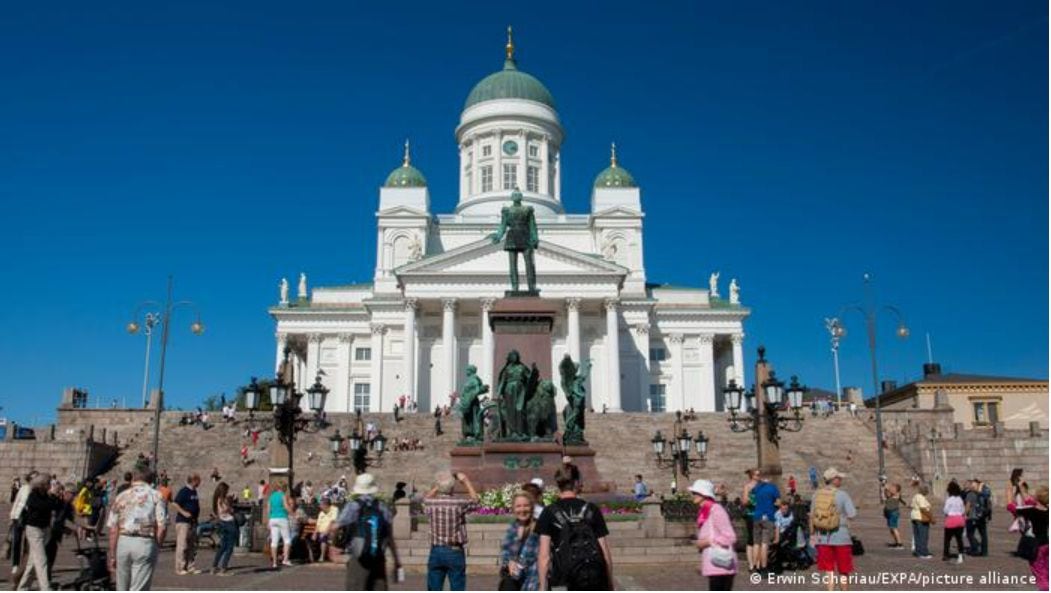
pixel 231 144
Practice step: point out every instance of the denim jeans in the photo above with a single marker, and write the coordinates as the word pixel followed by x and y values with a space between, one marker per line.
pixel 228 535
pixel 446 561
pixel 981 527
pixel 920 533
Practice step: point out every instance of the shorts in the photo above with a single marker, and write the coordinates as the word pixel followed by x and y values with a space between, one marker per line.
pixel 892 518
pixel 322 538
pixel 280 531
pixel 762 532
pixel 835 558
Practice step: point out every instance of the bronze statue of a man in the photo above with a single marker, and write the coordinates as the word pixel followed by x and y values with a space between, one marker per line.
pixel 518 231
pixel 513 389
pixel 471 405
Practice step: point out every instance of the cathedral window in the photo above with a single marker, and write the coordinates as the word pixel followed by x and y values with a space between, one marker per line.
pixel 487 150
pixel 363 354
pixel 658 397
pixel 532 179
pixel 534 150
pixel 510 175
pixel 362 394
pixel 487 178
pixel 658 354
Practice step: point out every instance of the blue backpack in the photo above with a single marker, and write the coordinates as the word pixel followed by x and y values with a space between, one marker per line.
pixel 374 530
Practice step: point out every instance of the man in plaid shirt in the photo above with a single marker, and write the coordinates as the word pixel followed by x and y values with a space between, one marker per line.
pixel 447 514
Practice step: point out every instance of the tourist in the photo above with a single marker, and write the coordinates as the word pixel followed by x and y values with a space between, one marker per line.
pixel 325 517
pixel 892 504
pixel 165 490
pixel 17 529
pixel 715 538
pixel 783 518
pixel 978 503
pixel 16 485
pixel 921 517
pixel 574 551
pixel 307 492
pixel 518 571
pixel 955 521
pixel 366 550
pixel 1017 491
pixel 438 421
pixel 1036 517
pixel 830 511
pixel 764 495
pixel 187 511
pixel 136 524
pixel 223 507
pixel 748 500
pixel 792 485
pixel 813 477
pixel 447 514
pixel 641 490
pixel 216 477
pixel 277 509
pixel 244 454
pixel 261 492
pixel 297 522
pixel 246 494
pixel 63 520
pixel 36 521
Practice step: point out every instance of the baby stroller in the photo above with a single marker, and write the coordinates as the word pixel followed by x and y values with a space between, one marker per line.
pixel 792 551
pixel 94 572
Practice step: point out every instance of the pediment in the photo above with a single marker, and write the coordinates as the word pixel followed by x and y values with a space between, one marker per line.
pixel 402 211
pixel 484 257
pixel 618 212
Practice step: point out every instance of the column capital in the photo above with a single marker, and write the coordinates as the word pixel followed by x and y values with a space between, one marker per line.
pixel 573 303
pixel 676 338
pixel 737 339
pixel 487 303
pixel 641 329
pixel 378 329
pixel 448 304
pixel 707 338
pixel 411 303
pixel 315 338
pixel 345 338
pixel 611 304
pixel 281 336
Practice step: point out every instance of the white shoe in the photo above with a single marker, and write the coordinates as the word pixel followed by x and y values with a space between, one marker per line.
pixel 959 559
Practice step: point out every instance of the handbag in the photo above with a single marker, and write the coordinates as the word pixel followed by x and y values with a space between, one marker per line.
pixel 723 558
pixel 926 516
pixel 1028 548
pixel 508 582
pixel 954 521
pixel 856 547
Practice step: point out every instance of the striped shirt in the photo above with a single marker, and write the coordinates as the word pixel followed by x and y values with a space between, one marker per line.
pixel 448 519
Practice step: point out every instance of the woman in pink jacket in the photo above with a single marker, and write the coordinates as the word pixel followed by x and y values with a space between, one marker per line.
pixel 715 538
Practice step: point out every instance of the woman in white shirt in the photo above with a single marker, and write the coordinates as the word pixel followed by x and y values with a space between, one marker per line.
pixel 954 521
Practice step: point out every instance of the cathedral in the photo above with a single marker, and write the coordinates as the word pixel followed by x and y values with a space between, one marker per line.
pixel 408 335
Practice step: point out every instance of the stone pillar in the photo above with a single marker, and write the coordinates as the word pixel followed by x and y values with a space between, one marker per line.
pixel 768 451
pixel 678 398
pixel 409 356
pixel 345 356
pixel 738 341
pixel 641 335
pixel 708 382
pixel 282 342
pixel 544 181
pixel 488 345
pixel 573 329
pixel 313 362
pixel 376 378
pixel 612 356
pixel 558 177
pixel 448 347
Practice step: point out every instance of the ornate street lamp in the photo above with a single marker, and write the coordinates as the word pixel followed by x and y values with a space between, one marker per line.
pixel 316 400
pixel 379 444
pixel 773 393
pixel 335 443
pixel 355 441
pixel 679 445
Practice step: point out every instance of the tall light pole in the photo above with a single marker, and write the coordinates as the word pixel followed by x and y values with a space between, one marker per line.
pixel 869 313
pixel 836 331
pixel 197 328
pixel 148 323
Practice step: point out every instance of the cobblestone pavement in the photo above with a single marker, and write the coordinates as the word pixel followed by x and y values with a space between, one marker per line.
pixel 251 571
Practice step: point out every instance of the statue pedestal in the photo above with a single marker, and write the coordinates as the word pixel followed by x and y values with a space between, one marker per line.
pixel 523 324
pixel 491 465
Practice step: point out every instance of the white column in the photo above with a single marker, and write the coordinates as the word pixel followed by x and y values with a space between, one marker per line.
pixel 463 171
pixel 376 379
pixel 342 402
pixel 708 383
pixel 409 357
pixel 282 343
pixel 641 332
pixel 523 164
pixel 573 329
pixel 612 356
pixel 475 173
pixel 488 344
pixel 679 397
pixel 313 358
pixel 558 176
pixel 738 342
pixel 449 350
pixel 498 162
pixel 543 182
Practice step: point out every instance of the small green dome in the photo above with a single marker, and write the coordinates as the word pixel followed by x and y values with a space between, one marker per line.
pixel 406 175
pixel 510 83
pixel 614 175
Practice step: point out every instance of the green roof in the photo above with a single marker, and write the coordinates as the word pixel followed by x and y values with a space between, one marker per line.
pixel 406 176
pixel 615 176
pixel 510 83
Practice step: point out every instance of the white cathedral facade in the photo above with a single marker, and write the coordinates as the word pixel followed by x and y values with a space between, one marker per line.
pixel 425 316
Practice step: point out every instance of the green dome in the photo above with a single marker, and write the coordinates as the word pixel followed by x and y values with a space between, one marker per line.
pixel 406 176
pixel 615 176
pixel 510 83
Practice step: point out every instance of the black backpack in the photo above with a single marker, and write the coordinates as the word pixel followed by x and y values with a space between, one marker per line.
pixel 577 559
pixel 374 531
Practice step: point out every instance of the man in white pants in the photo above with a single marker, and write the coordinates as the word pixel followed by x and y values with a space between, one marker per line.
pixel 136 525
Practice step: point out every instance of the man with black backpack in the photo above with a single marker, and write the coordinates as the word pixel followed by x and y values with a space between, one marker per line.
pixel 574 554
pixel 369 527
pixel 979 509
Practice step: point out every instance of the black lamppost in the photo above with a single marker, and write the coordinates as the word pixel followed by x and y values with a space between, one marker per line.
pixel 358 449
pixel 679 445
pixel 774 398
